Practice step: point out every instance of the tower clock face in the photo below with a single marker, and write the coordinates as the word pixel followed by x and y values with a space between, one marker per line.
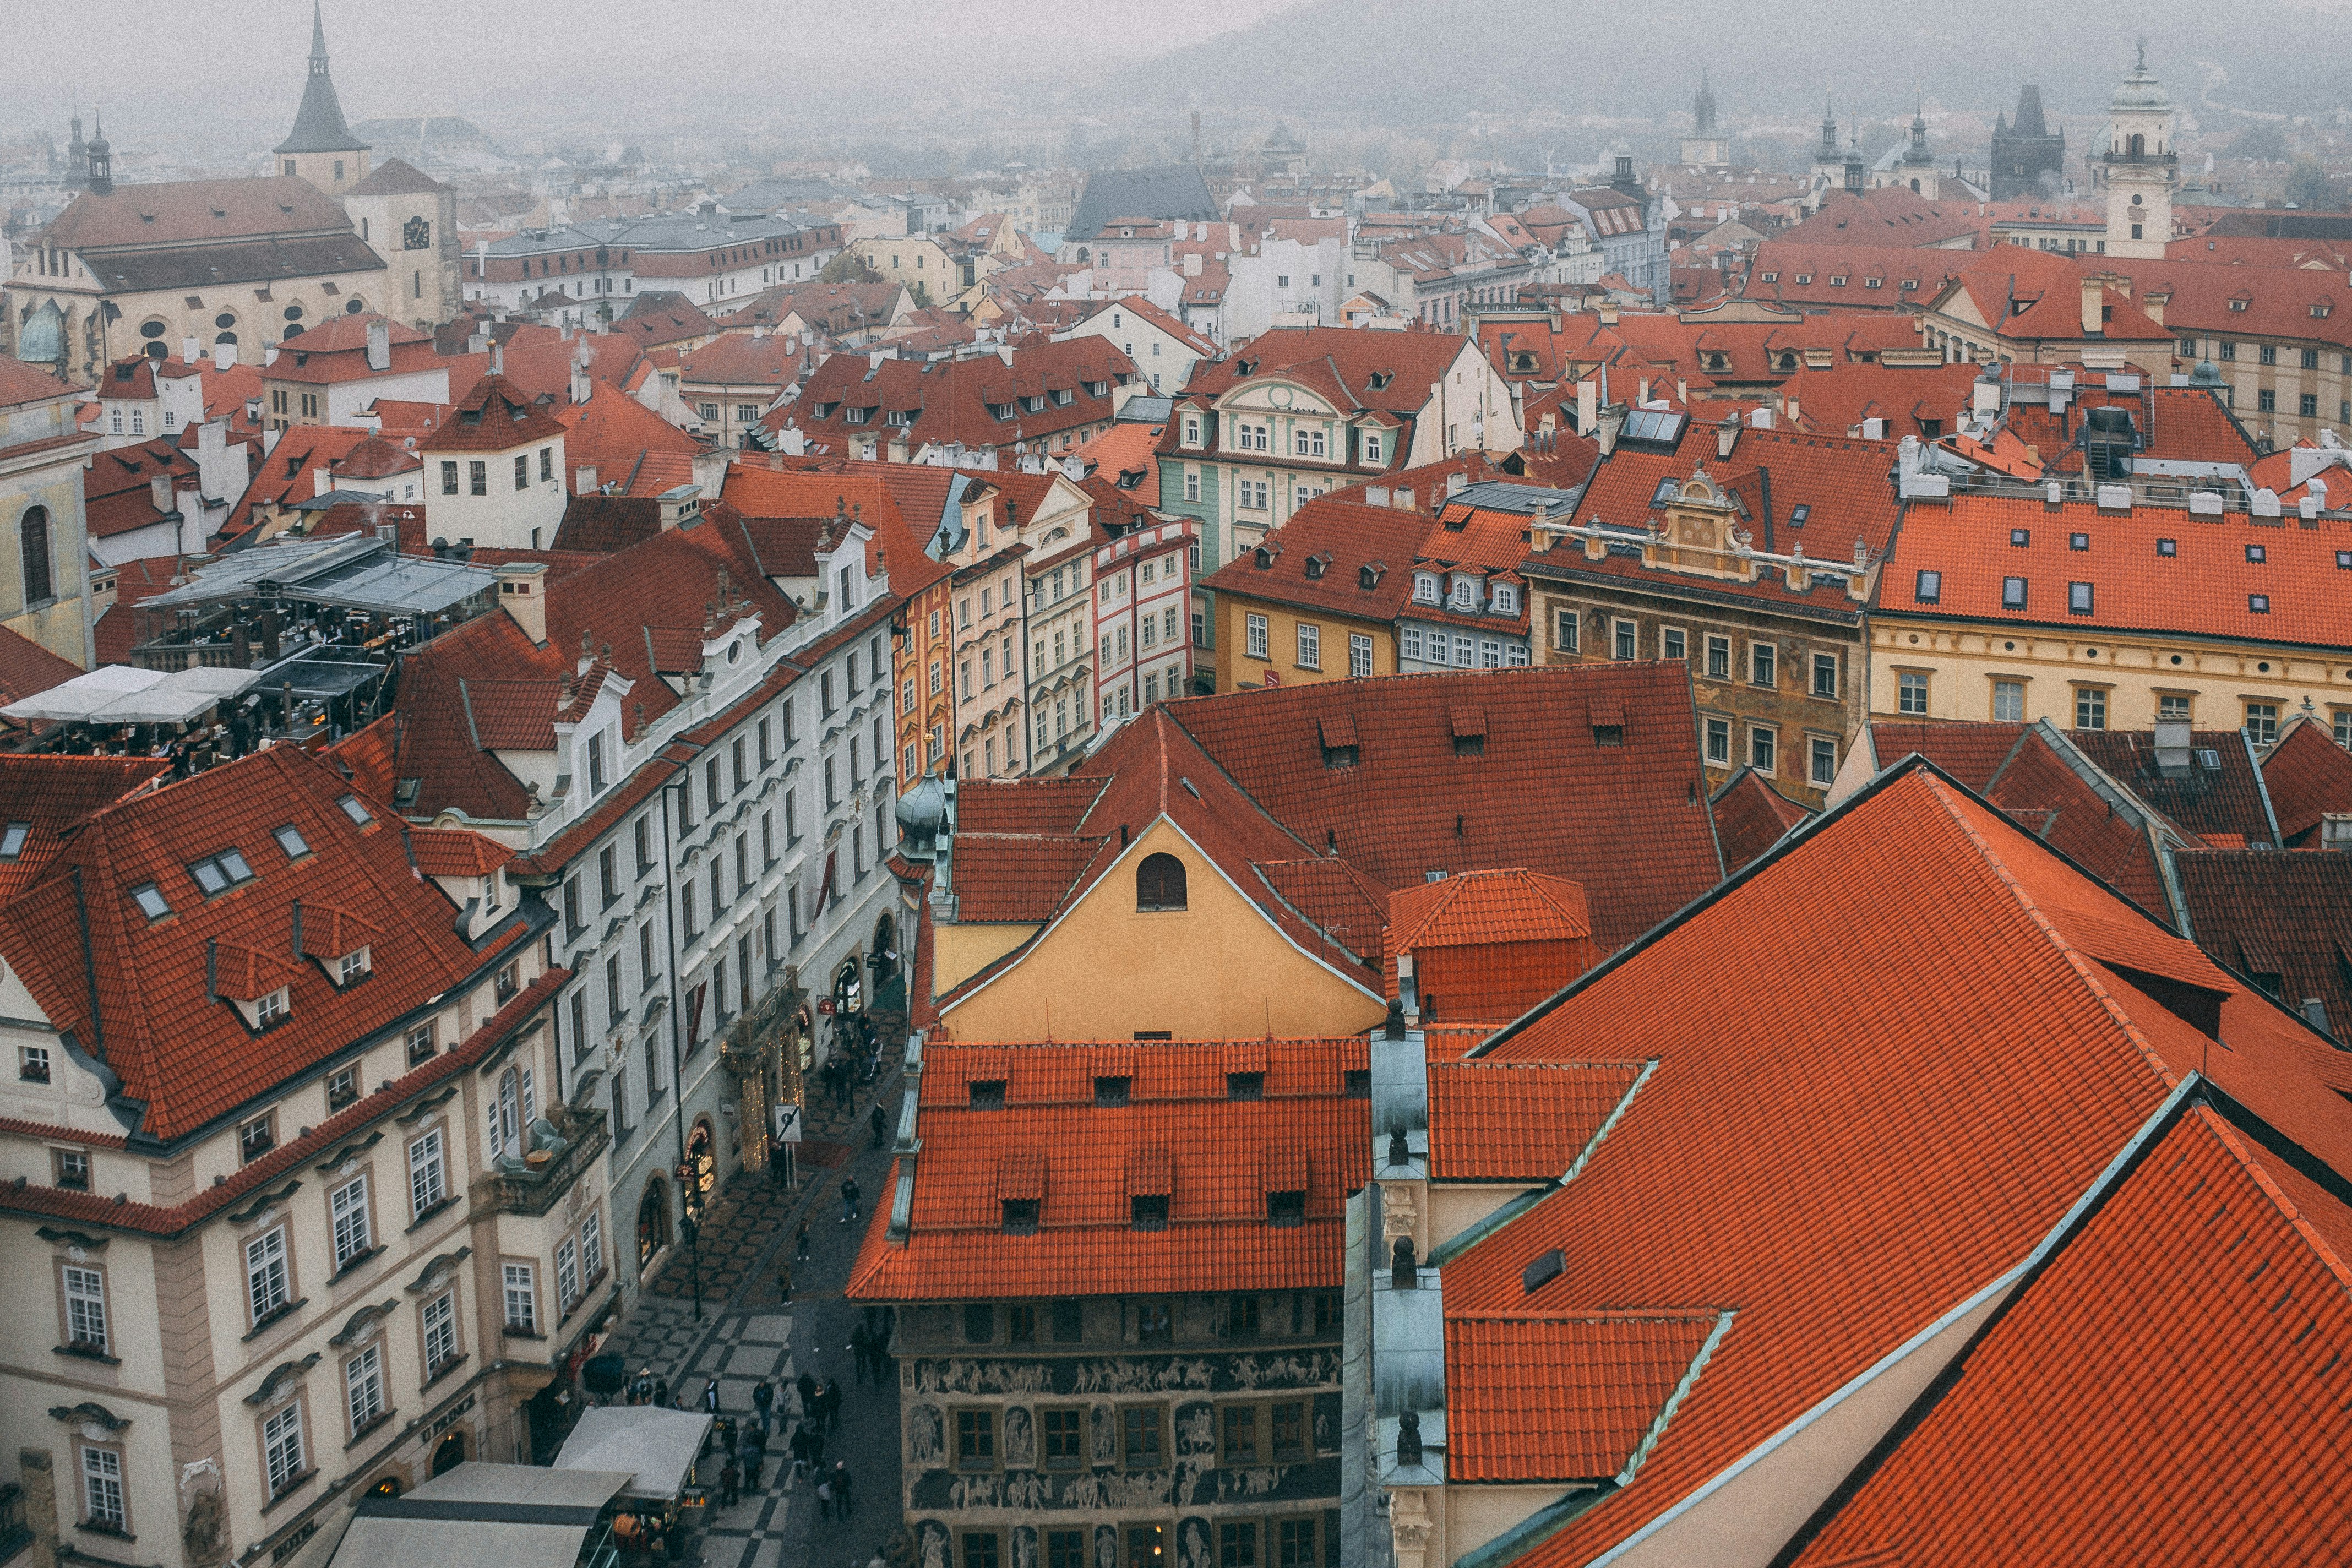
pixel 417 233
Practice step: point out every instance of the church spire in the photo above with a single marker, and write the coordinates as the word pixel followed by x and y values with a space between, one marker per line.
pixel 321 148
pixel 318 40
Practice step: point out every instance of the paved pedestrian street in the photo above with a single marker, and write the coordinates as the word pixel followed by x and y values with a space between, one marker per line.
pixel 748 1333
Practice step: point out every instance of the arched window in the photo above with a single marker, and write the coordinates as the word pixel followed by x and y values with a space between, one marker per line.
pixel 653 1222
pixel 1160 883
pixel 2139 145
pixel 33 545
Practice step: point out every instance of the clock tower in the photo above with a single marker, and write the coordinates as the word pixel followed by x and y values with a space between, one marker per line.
pixel 2139 167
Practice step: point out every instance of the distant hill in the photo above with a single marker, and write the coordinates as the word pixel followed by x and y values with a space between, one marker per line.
pixel 1422 61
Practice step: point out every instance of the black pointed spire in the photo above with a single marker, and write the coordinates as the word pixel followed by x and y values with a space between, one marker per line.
pixel 101 158
pixel 319 125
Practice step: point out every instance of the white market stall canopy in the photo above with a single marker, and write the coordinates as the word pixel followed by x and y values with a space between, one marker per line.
pixel 353 571
pixel 656 1446
pixel 481 1516
pixel 120 694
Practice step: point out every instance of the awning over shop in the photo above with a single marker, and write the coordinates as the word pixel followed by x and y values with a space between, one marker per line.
pixel 481 1516
pixel 655 1446
pixel 120 694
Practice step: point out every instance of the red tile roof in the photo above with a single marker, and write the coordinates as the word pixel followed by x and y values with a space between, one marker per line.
pixel 2306 775
pixel 1487 908
pixel 1564 1398
pixel 949 401
pixel 2242 301
pixel 188 1056
pixel 1340 556
pixel 2280 917
pixel 21 384
pixel 1518 1121
pixel 1890 216
pixel 118 484
pixel 1124 450
pixel 494 416
pixel 2029 296
pixel 2203 1312
pixel 1926 400
pixel 1751 816
pixel 2206 588
pixel 1877 277
pixel 619 438
pixel 1888 1147
pixel 1180 1135
pixel 50 793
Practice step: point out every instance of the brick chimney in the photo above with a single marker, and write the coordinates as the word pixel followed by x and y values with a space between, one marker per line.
pixel 522 594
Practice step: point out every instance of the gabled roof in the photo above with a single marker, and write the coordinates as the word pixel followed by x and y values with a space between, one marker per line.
pixel 1751 816
pixel 50 793
pixel 1340 556
pixel 2201 1310
pixel 495 415
pixel 1869 1193
pixel 2306 775
pixel 979 401
pixel 2282 918
pixel 1485 909
pixel 1174 192
pixel 180 212
pixel 1182 1135
pixel 626 443
pixel 1890 216
pixel 159 1025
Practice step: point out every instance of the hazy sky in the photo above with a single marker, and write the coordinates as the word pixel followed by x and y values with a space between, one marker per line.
pixel 240 69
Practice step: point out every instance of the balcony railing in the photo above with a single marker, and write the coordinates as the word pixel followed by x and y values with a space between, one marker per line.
pixel 534 1189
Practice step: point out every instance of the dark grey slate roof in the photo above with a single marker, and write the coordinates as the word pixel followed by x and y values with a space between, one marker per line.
pixel 319 124
pixel 1175 192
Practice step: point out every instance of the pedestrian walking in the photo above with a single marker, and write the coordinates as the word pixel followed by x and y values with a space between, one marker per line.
pixel 784 1284
pixel 806 1386
pixel 879 1123
pixel 801 1242
pixel 816 1449
pixel 763 1400
pixel 800 1452
pixel 858 1339
pixel 711 1394
pixel 729 1475
pixel 848 1199
pixel 824 1498
pixel 661 1392
pixel 844 1499
pixel 832 1397
pixel 755 1457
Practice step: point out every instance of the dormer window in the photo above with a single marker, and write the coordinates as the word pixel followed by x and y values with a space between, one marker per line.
pixel 1316 564
pixel 1426 590
pixel 1507 600
pixel 1148 1211
pixel 1064 397
pixel 1285 1208
pixel 1372 447
pixel 219 873
pixel 270 1008
pixel 1368 575
pixel 855 415
pixel 1191 429
pixel 1466 593
pixel 352 967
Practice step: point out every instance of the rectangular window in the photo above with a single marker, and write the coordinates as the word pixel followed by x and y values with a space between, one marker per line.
pixel 347 1206
pixel 2173 706
pixel 1140 1427
pixel 2009 702
pixel 281 1444
pixel 1623 639
pixel 1763 663
pixel 1824 761
pixel 1719 741
pixel 1718 659
pixel 2012 593
pixel 522 472
pixel 428 1176
pixel 1673 644
pixel 522 1298
pixel 567 1275
pixel 363 1389
pixel 1257 637
pixel 2078 598
pixel 478 477
pixel 1295 1544
pixel 1359 655
pixel 2090 708
pixel 1310 647
pixel 1928 589
pixel 1564 630
pixel 449 479
pixel 1825 675
pixel 86 1310
pixel 1238 1425
pixel 2261 723
pixel 440 1331
pixel 1911 693
pixel 102 1489
pixel 975 1439
pixel 265 1283
pixel 1237 1543
pixel 1066 1440
pixel 1763 747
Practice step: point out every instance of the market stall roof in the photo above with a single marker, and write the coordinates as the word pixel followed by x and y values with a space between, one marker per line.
pixel 120 694
pixel 481 1516
pixel 656 1446
pixel 356 571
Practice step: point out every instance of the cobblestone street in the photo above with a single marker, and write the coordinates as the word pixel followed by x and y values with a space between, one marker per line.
pixel 748 1333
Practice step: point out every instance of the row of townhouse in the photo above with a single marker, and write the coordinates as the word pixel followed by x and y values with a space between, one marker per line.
pixel 686 745
pixel 709 257
pixel 298 1212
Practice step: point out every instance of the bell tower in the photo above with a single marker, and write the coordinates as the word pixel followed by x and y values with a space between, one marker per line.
pixel 2139 167
pixel 320 148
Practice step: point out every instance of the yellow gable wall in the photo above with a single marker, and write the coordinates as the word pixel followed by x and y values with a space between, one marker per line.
pixel 1218 969
pixel 959 952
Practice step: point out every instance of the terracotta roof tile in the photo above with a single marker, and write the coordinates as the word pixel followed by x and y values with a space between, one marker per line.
pixel 1751 816
pixel 1334 555
pixel 1566 1399
pixel 2306 775
pixel 2280 916
pixel 1487 908
pixel 1520 1122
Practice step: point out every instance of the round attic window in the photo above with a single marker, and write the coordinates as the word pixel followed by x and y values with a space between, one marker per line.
pixel 353 307
pixel 153 329
pixel 2263 669
pixel 735 652
pixel 225 320
pixel 2009 648
pixel 2176 659
pixel 293 312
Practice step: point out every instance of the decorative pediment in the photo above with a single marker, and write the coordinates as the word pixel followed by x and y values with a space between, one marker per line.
pixel 351 1150
pixel 264 1202
pixel 281 1377
pixel 425 1107
pixel 439 1270
pixel 362 1320
pixel 80 1240
pixel 89 1413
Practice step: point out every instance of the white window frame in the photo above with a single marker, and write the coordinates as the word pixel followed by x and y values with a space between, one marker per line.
pixel 364 1387
pixel 283 1447
pixel 1310 646
pixel 520 1292
pixel 103 1500
pixel 429 1174
pixel 86 1324
pixel 347 1211
pixel 268 1280
pixel 1254 629
pixel 1359 655
pixel 440 1329
pixel 1566 630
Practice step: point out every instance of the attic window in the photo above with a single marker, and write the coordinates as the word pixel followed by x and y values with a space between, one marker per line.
pixel 290 838
pixel 2237 304
pixel 2078 598
pixel 2172 547
pixel 1368 575
pixel 1245 1085
pixel 986 1093
pixel 1285 1208
pixel 1665 492
pixel 1380 380
pixel 1910 283
pixel 1803 278
pixel 1874 282
pixel 2078 541
pixel 360 814
pixel 12 839
pixel 2012 593
pixel 2020 537
pixel 2258 604
pixel 1113 1090
pixel 150 899
pixel 2256 554
pixel 1929 589
pixel 1316 564
pixel 1020 1217
pixel 219 873
pixel 1769 276
pixel 1542 1271
pixel 1148 1211
pixel 2344 560
pixel 1837 280
pixel 1264 559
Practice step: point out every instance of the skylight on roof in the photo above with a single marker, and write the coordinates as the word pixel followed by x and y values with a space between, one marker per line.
pixel 290 838
pixel 150 899
pixel 358 813
pixel 219 873
pixel 1797 518
pixel 2020 537
pixel 12 839
pixel 2172 547
pixel 2258 604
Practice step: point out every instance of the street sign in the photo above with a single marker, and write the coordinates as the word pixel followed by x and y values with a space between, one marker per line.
pixel 824 1006
pixel 788 1123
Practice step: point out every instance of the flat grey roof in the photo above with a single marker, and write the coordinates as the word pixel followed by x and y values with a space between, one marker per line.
pixel 356 571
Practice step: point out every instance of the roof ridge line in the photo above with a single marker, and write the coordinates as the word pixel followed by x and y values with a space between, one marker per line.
pixel 2288 1208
